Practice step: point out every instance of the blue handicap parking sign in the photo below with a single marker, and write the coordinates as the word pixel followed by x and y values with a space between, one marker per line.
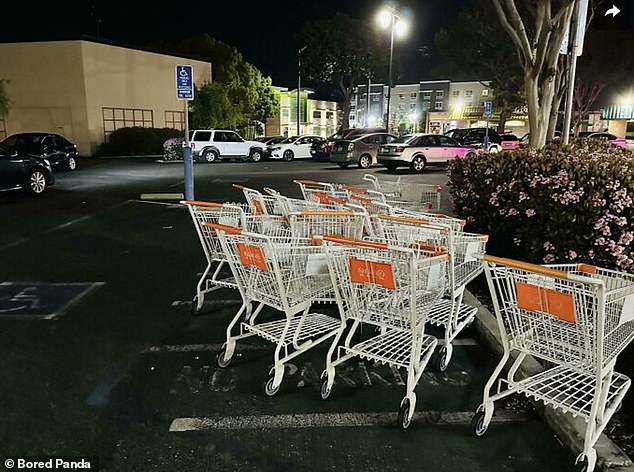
pixel 184 82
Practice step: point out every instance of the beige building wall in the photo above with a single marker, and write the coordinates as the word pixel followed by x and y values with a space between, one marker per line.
pixel 64 86
pixel 45 87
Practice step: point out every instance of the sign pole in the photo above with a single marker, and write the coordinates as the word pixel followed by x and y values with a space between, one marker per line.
pixel 187 157
pixel 185 92
pixel 487 113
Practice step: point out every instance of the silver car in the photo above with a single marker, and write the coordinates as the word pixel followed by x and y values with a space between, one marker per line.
pixel 417 151
pixel 360 149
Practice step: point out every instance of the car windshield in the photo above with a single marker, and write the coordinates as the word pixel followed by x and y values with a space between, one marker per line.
pixel 290 140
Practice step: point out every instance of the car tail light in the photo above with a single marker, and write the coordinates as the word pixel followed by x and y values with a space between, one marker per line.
pixel 350 147
pixel 329 146
pixel 399 149
pixel 192 145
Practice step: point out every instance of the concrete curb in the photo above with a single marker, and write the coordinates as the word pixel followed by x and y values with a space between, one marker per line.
pixel 570 430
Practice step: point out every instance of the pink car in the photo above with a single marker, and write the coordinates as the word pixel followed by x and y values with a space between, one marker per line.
pixel 509 142
pixel 417 151
pixel 610 138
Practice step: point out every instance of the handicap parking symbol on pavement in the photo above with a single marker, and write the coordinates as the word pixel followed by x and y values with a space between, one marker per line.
pixel 39 299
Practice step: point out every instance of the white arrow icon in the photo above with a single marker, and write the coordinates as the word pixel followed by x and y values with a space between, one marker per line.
pixel 613 11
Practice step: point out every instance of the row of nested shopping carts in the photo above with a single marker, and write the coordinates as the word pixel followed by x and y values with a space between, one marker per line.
pixel 388 259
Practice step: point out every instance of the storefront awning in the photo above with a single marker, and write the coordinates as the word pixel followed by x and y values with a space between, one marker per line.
pixel 618 112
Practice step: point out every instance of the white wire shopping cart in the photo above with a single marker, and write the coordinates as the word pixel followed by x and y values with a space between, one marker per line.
pixel 428 196
pixel 347 224
pixel 577 318
pixel 464 265
pixel 315 191
pixel 285 205
pixel 210 212
pixel 287 275
pixel 258 203
pixel 389 287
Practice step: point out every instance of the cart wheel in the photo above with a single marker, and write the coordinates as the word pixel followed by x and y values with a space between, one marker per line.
pixel 477 422
pixel 268 388
pixel 221 360
pixel 196 308
pixel 444 356
pixel 586 463
pixel 404 419
pixel 324 390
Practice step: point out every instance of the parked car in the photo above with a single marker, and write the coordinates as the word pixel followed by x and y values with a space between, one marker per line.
pixel 295 147
pixel 609 137
pixel 525 138
pixel 509 142
pixel 28 172
pixel 321 150
pixel 270 140
pixel 474 137
pixel 361 150
pixel 212 145
pixel 417 151
pixel 57 150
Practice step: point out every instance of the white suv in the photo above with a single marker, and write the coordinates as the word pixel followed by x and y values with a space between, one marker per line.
pixel 211 145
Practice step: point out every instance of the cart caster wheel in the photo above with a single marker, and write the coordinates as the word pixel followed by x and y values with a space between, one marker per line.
pixel 196 308
pixel 477 422
pixel 221 361
pixel 404 419
pixel 444 356
pixel 324 390
pixel 586 463
pixel 269 389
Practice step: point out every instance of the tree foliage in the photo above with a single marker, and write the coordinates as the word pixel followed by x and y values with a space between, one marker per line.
pixel 239 94
pixel 476 47
pixel 341 51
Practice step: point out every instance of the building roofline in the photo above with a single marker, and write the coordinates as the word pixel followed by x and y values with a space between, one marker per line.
pixel 106 42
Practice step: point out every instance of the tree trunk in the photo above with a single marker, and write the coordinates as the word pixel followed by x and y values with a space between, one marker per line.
pixel 347 98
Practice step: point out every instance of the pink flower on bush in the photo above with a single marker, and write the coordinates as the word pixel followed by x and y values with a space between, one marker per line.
pixel 548 258
pixel 548 246
pixel 530 212
pixel 572 255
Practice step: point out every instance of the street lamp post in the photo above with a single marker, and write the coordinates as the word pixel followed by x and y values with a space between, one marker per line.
pixel 390 18
pixel 299 85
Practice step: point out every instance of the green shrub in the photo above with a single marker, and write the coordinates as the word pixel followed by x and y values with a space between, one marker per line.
pixel 558 204
pixel 136 141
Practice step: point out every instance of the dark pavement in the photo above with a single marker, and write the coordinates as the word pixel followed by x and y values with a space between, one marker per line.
pixel 126 373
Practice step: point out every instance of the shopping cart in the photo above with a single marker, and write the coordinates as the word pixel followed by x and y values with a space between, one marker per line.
pixel 317 191
pixel 426 196
pixel 389 287
pixel 285 205
pixel 259 204
pixel 576 317
pixel 287 276
pixel 464 265
pixel 347 224
pixel 209 212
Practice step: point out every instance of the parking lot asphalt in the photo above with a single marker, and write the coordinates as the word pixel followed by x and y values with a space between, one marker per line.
pixel 124 372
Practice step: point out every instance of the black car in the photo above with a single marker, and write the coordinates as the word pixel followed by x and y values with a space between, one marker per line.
pixel 475 137
pixel 24 172
pixel 57 150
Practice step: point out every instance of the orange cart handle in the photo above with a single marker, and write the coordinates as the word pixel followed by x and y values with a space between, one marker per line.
pixel 225 228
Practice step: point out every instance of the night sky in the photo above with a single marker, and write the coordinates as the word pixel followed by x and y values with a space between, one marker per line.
pixel 266 33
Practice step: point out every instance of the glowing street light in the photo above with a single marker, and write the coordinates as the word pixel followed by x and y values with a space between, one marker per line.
pixel 389 18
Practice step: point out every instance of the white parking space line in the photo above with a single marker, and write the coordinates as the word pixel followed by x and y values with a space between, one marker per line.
pixel 208 302
pixel 331 420
pixel 202 348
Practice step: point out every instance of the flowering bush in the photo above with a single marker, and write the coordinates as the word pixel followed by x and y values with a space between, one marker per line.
pixel 558 204
pixel 173 149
